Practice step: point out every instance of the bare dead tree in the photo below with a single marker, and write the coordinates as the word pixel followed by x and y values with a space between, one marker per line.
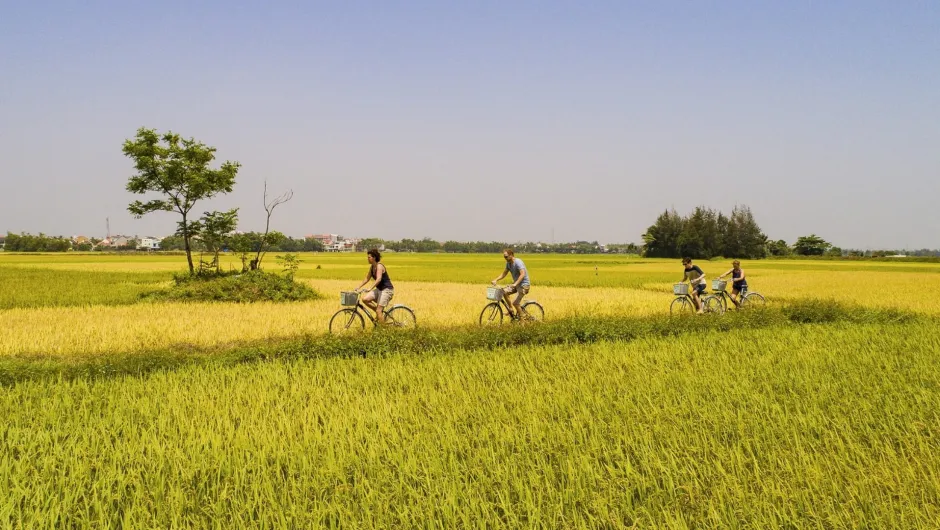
pixel 269 209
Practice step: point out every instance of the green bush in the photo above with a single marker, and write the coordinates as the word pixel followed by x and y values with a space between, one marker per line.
pixel 240 287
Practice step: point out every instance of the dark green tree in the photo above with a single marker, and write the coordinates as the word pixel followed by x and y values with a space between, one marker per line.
pixel 778 248
pixel 661 240
pixel 811 245
pixel 750 241
pixel 178 171
pixel 371 242
pixel 312 245
pixel 173 242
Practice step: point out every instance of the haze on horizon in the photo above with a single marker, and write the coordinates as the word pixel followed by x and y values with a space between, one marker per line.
pixel 485 120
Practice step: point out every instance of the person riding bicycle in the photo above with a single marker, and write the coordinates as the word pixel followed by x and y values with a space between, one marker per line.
pixel 739 282
pixel 520 281
pixel 380 294
pixel 696 279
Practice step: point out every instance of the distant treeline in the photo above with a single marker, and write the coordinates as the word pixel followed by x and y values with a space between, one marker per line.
pixel 703 234
pixel 40 243
pixel 487 247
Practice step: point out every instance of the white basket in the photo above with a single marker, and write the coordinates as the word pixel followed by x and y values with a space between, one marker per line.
pixel 680 289
pixel 494 293
pixel 349 298
pixel 719 285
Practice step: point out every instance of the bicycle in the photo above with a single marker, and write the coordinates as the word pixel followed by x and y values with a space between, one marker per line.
pixel 718 301
pixel 349 319
pixel 492 314
pixel 683 301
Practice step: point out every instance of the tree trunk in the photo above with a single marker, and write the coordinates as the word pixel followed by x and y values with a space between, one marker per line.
pixel 189 252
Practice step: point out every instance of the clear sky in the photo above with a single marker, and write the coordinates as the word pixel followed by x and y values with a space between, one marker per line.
pixel 485 120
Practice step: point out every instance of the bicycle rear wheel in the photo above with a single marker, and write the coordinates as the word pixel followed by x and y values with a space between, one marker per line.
pixel 347 321
pixel 492 315
pixel 532 312
pixel 681 305
pixel 401 317
pixel 752 301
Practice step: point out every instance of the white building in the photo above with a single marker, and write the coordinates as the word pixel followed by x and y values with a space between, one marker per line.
pixel 148 243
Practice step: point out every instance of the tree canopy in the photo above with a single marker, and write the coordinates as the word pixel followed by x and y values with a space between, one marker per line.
pixel 178 171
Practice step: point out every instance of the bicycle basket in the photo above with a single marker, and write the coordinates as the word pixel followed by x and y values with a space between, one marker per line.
pixel 680 289
pixel 719 285
pixel 349 298
pixel 494 293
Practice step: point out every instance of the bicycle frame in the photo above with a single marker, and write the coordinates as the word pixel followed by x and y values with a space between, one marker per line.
pixel 530 310
pixel 368 313
pixel 509 307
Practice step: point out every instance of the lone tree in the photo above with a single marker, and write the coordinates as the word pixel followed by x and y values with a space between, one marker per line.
pixel 811 245
pixel 177 169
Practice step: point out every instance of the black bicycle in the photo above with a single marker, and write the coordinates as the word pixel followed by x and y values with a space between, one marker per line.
pixel 719 301
pixel 350 320
pixel 492 314
pixel 683 303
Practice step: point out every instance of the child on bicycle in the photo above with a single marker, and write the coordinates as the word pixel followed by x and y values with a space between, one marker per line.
pixel 739 282
pixel 696 279
pixel 520 281
pixel 380 294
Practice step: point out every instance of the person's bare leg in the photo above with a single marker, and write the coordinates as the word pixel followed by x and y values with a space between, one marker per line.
pixel 508 302
pixel 369 300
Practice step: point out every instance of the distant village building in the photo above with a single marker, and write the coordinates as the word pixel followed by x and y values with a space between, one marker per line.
pixel 149 243
pixel 324 239
pixel 335 242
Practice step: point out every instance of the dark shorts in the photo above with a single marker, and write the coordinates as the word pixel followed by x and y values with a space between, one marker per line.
pixel 699 288
pixel 739 286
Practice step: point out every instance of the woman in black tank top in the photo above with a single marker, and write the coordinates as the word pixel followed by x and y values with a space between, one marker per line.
pixel 385 282
pixel 381 293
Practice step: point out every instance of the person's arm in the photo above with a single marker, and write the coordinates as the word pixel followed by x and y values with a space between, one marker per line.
pixel 741 279
pixel 368 276
pixel 501 276
pixel 725 274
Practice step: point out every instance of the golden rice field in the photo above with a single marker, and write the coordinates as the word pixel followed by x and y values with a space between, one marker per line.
pixel 85 304
pixel 793 424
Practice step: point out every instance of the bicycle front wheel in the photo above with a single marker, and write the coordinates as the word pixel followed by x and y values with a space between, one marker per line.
pixel 492 315
pixel 533 312
pixel 347 321
pixel 713 304
pixel 401 317
pixel 752 301
pixel 681 305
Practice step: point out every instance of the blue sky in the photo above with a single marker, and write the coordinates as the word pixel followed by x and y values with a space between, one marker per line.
pixel 485 120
